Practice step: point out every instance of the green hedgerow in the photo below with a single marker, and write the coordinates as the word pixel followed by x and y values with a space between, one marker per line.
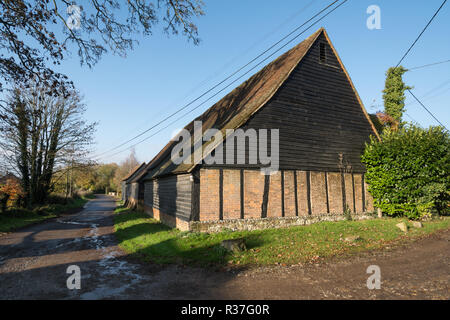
pixel 408 171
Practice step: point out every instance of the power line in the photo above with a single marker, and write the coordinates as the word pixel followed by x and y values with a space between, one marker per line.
pixel 219 71
pixel 427 109
pixel 229 77
pixel 409 49
pixel 428 65
pixel 235 80
pixel 411 118
pixel 429 22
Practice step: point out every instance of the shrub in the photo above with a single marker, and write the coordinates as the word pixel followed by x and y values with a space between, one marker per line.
pixel 56 199
pixel 408 171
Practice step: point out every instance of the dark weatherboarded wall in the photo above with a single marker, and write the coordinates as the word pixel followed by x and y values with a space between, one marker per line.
pixel 322 126
pixel 170 195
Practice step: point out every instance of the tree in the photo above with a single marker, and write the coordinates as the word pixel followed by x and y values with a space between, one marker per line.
pixel 125 167
pixel 30 40
pixel 105 174
pixel 41 132
pixel 394 97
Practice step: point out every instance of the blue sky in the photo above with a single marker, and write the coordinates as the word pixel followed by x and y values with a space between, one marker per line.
pixel 129 95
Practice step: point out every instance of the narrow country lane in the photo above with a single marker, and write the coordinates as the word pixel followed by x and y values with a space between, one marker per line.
pixel 33 264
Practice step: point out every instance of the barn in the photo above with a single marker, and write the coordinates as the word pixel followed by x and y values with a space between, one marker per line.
pixel 308 98
pixel 130 187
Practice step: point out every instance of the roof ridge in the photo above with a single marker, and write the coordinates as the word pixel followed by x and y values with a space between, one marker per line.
pixel 133 171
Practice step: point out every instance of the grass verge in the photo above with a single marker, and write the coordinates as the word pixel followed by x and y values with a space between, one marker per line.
pixel 151 241
pixel 17 218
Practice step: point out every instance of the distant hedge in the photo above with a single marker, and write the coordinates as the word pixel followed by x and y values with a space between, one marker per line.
pixel 408 172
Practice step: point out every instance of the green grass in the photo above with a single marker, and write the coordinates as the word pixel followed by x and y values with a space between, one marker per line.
pixel 151 241
pixel 18 218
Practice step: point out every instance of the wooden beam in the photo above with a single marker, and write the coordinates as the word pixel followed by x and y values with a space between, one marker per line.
pixel 354 197
pixel 242 192
pixel 220 194
pixel 295 196
pixel 326 192
pixel 265 196
pixel 308 191
pixel 282 193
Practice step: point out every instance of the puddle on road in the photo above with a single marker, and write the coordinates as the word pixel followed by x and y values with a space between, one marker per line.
pixel 115 275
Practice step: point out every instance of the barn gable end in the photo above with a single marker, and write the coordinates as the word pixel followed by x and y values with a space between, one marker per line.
pixel 322 125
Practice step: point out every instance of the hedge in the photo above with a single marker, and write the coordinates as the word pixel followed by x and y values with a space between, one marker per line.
pixel 408 171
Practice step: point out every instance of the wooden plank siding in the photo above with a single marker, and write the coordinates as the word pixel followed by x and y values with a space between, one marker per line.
pixel 124 190
pixel 134 193
pixel 319 118
pixel 171 195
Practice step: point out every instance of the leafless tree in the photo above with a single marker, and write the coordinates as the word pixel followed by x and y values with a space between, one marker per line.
pixel 30 40
pixel 125 167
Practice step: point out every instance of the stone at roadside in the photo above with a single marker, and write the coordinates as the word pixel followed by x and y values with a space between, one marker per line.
pixel 402 226
pixel 234 245
pixel 417 224
pixel 352 238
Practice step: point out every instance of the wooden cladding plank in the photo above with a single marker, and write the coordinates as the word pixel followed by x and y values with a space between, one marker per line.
pixel 318 193
pixel 302 194
pixel 335 193
pixel 170 195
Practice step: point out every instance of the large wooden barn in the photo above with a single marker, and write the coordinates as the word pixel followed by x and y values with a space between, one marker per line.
pixel 308 95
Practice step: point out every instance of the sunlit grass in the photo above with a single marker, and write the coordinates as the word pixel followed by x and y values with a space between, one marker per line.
pixel 151 241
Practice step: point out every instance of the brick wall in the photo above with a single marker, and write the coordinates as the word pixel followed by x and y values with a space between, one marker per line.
pixel 274 201
pixel 335 200
pixel 318 193
pixel 231 194
pixel 289 194
pixel 302 193
pixel 348 182
pixel 167 219
pixel 253 193
pixel 368 199
pixel 358 185
pixel 209 195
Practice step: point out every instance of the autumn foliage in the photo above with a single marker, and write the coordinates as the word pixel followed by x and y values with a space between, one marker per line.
pixel 10 193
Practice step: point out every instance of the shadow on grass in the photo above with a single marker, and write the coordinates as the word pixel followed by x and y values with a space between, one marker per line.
pixel 151 241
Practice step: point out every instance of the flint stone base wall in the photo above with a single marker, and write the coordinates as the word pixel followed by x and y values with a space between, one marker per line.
pixel 267 223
